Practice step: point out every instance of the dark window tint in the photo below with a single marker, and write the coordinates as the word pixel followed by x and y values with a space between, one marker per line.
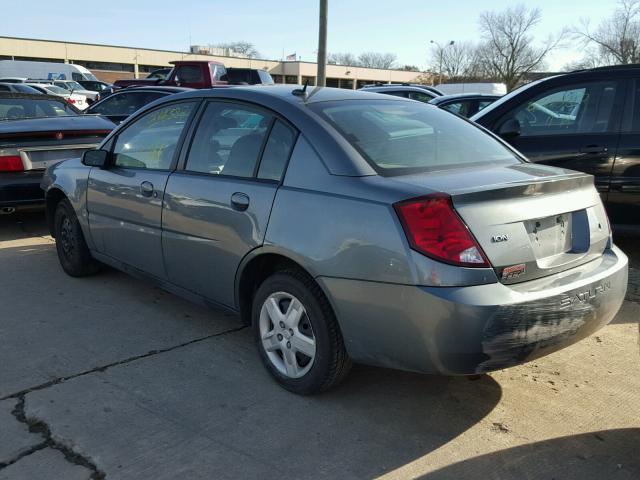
pixel 18 108
pixel 276 153
pixel 401 137
pixel 459 108
pixel 395 93
pixel 189 74
pixel 125 103
pixel 421 96
pixel 581 108
pixel 150 142
pixel 484 103
pixel 4 88
pixel 228 140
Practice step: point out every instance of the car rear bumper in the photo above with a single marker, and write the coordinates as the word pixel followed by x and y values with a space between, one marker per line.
pixel 469 330
pixel 21 190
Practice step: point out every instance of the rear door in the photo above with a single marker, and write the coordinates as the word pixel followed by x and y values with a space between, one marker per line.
pixel 118 107
pixel 572 126
pixel 124 201
pixel 217 207
pixel 623 203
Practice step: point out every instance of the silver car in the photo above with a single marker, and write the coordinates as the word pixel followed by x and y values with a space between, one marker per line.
pixel 344 226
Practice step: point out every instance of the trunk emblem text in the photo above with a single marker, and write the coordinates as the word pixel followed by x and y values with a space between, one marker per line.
pixel 514 271
pixel 584 296
pixel 499 238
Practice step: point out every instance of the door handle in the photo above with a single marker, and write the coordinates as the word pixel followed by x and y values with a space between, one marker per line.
pixel 593 149
pixel 240 201
pixel 146 188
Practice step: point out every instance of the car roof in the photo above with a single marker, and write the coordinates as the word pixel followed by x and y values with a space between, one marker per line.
pixel 462 96
pixel 150 88
pixel 398 88
pixel 33 96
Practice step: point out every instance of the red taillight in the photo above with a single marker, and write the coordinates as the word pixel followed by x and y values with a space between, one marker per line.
pixel 434 228
pixel 11 163
pixel 71 100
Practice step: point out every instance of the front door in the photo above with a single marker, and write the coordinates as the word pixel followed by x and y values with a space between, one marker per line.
pixel 575 126
pixel 124 201
pixel 217 207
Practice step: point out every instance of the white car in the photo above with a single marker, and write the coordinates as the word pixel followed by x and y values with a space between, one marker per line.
pixel 75 87
pixel 76 99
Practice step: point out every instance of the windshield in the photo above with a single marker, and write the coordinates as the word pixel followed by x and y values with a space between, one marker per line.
pixel 56 90
pixel 70 85
pixel 505 98
pixel 400 137
pixel 12 108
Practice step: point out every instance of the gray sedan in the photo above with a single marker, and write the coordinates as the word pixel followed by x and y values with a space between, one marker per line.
pixel 344 226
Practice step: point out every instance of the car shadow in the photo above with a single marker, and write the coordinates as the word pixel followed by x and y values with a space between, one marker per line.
pixel 607 454
pixel 17 226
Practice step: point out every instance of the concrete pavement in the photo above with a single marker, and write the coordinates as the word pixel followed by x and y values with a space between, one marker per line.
pixel 108 377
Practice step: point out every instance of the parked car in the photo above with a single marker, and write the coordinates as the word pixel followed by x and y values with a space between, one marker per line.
pixel 103 88
pixel 159 73
pixel 185 73
pixel 404 91
pixel 74 87
pixel 77 100
pixel 248 76
pixel 427 88
pixel 464 104
pixel 587 120
pixel 48 70
pixel 120 105
pixel 17 88
pixel 344 226
pixel 37 131
pixel 489 88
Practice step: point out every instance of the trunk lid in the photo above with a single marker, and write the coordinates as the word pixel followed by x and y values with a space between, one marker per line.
pixel 530 220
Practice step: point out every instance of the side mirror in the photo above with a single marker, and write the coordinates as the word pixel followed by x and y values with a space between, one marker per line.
pixel 510 128
pixel 95 158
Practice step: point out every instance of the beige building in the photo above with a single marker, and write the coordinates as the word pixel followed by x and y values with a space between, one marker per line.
pixel 110 63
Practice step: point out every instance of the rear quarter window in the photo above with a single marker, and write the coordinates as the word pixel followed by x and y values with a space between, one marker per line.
pixel 398 137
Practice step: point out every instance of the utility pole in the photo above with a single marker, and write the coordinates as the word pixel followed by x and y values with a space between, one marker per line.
pixel 440 55
pixel 322 44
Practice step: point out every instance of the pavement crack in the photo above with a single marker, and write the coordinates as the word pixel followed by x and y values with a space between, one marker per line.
pixel 41 428
pixel 103 368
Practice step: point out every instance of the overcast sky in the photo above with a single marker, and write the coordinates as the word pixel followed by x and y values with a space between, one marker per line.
pixel 276 26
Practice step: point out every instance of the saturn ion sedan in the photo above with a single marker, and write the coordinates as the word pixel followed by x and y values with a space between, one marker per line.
pixel 344 226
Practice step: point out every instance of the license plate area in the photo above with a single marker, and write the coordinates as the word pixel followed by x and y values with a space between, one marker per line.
pixel 550 236
pixel 41 159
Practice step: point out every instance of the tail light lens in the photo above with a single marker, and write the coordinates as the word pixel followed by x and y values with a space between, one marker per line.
pixel 11 163
pixel 435 229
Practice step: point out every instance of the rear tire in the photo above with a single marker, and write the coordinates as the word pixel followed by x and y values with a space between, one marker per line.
pixel 303 347
pixel 73 253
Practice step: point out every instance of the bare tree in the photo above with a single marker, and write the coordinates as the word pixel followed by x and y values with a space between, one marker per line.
pixel 377 60
pixel 342 59
pixel 246 49
pixel 458 60
pixel 617 38
pixel 508 51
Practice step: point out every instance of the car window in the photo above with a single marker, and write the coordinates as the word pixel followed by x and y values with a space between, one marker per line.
pixel 421 96
pixel 276 152
pixel 405 137
pixel 581 108
pixel 150 142
pixel 189 74
pixel 4 88
pixel 228 140
pixel 19 108
pixel 484 103
pixel 459 108
pixel 125 103
pixel 395 93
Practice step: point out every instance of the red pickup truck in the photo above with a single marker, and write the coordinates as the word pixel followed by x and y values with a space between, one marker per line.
pixel 186 73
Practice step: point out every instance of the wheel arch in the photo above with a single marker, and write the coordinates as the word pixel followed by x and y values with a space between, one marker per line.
pixel 256 267
pixel 52 198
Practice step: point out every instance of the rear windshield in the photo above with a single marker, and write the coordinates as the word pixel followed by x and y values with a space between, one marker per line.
pixel 19 108
pixel 401 137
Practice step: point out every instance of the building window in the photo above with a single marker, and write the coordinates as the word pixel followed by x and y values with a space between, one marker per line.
pixel 311 80
pixel 291 79
pixel 333 82
pixel 346 83
pixel 114 67
pixel 362 83
pixel 277 78
pixel 150 68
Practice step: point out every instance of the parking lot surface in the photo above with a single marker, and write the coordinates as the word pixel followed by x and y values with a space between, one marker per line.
pixel 109 377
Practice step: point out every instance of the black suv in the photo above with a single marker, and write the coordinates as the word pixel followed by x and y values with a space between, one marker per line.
pixel 588 120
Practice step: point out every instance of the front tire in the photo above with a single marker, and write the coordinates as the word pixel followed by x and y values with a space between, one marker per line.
pixel 73 253
pixel 297 334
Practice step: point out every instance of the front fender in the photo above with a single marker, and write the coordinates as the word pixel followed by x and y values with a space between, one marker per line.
pixel 68 179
